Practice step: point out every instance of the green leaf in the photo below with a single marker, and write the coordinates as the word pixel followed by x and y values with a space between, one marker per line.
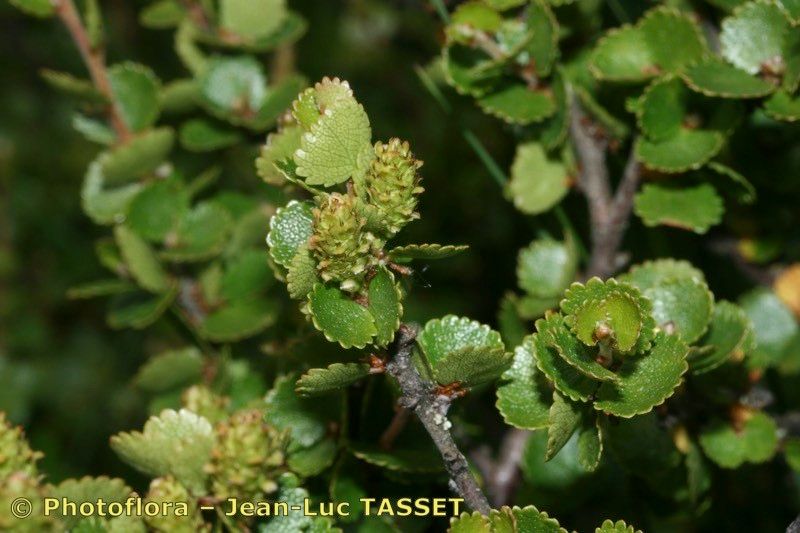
pixel 469 523
pixel 94 130
pixel 755 442
pixel 511 325
pixel 727 337
pixel 233 88
pixel 341 320
pixel 477 15
pixel 162 14
pixel 170 369
pixel 653 273
pixel 664 40
pixel 384 296
pixel 289 229
pixel 565 417
pixel 782 106
pixel 609 526
pixel 661 109
pixel 280 146
pixel 247 275
pixel 179 96
pixel 694 208
pixel 590 443
pixel 201 135
pixel 522 520
pixel 135 90
pixel 89 490
pixel 556 334
pixel 753 35
pixel 774 326
pixel 618 306
pixel 139 309
pixel 791 450
pixel 743 190
pixel 566 379
pixel 713 77
pixel 336 376
pixel 471 366
pixel 554 131
pixel 469 71
pixel 413 460
pixel 106 287
pixel 645 381
pixel 306 419
pixel 239 320
pixel 141 260
pixel 252 19
pixel 155 211
pixel 543 46
pixel 426 252
pixel 546 267
pixel 201 234
pixel 301 274
pixel 523 398
pixel 336 147
pixel 685 305
pixel 515 103
pixel 173 443
pixel 537 182
pixel 73 86
pixel 314 460
pixel 444 336
pixel 36 8
pixel 138 157
pixel 686 150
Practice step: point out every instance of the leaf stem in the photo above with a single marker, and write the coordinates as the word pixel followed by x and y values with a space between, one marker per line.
pixel 431 409
pixel 94 59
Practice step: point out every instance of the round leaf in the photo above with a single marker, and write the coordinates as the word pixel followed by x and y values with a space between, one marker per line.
pixel 683 304
pixel 694 208
pixel 135 89
pixel 546 267
pixel 537 182
pixel 341 320
pixel 755 442
pixel 289 228
pixel 646 381
pixel 754 35
pixel 523 398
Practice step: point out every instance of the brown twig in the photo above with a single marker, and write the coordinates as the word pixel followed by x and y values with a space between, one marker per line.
pixel 94 59
pixel 396 426
pixel 431 409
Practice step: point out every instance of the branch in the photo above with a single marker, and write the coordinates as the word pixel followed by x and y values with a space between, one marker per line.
pixel 608 215
pixel 505 475
pixel 431 409
pixel 94 59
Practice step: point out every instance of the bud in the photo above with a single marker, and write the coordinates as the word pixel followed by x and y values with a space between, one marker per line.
pixel 20 484
pixel 167 489
pixel 392 187
pixel 247 458
pixel 201 400
pixel 340 244
pixel 15 454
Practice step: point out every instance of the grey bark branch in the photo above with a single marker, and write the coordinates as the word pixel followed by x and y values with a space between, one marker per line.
pixel 420 396
pixel 608 215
